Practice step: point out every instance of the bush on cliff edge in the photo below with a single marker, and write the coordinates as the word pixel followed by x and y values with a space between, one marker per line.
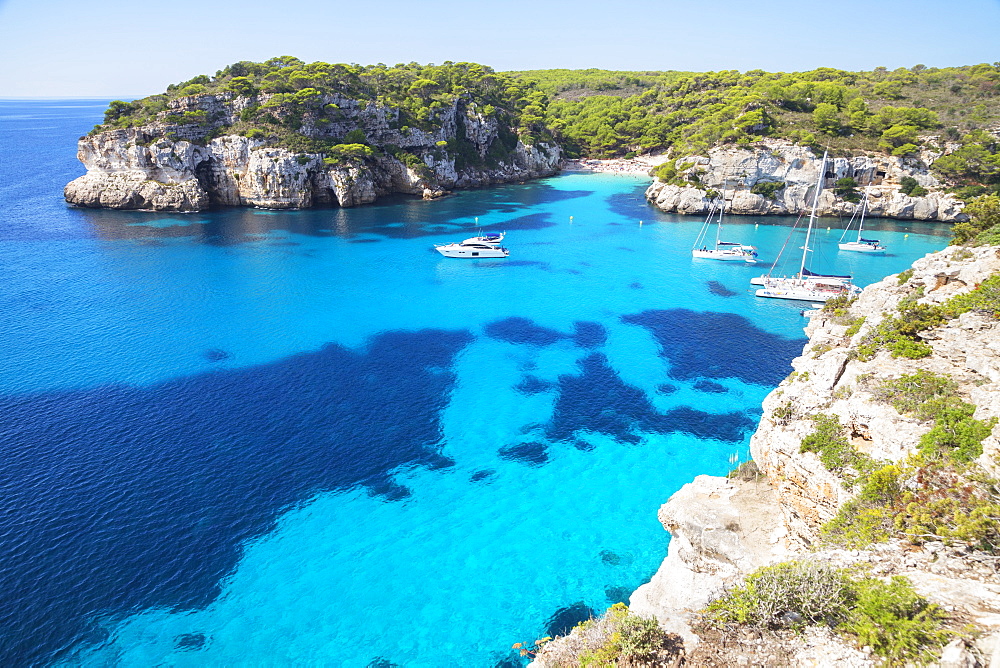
pixel 890 617
pixel 983 226
pixel 616 638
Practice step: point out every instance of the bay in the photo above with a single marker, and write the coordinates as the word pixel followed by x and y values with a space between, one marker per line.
pixel 250 437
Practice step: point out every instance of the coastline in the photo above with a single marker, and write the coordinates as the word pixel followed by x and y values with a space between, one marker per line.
pixel 724 528
pixel 640 165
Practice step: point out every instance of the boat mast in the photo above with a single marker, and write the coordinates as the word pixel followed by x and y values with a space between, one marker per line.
pixel 812 216
pixel 722 208
pixel 864 206
pixel 703 232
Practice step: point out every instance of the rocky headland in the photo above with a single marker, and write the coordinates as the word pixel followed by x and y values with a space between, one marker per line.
pixel 777 178
pixel 722 529
pixel 167 165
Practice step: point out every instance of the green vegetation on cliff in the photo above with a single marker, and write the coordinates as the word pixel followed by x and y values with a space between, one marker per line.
pixel 940 493
pixel 835 452
pixel 319 107
pixel 867 110
pixel 890 617
pixel 578 84
pixel 901 332
pixel 602 113
pixel 983 226
pixel 616 638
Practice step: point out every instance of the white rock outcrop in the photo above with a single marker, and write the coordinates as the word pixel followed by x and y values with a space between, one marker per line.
pixel 826 381
pixel 178 167
pixel 740 169
pixel 722 529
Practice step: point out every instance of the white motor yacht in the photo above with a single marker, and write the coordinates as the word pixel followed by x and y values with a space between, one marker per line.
pixel 466 249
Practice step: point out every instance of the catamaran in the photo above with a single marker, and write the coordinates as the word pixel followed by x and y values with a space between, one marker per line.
pixel 731 251
pixel 807 285
pixel 861 245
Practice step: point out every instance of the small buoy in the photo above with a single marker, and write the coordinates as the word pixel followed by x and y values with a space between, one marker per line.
pixel 756 224
pixel 905 235
pixel 827 229
pixel 640 223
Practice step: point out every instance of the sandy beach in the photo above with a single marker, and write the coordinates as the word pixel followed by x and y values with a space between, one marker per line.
pixel 638 165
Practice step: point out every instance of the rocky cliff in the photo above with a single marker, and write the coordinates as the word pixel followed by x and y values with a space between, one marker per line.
pixel 724 528
pixel 797 167
pixel 172 165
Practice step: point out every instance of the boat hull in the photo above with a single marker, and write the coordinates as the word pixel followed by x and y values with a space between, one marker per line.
pixel 724 256
pixel 806 290
pixel 461 251
pixel 861 248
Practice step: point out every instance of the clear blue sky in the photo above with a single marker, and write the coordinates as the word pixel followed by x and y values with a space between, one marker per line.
pixel 130 48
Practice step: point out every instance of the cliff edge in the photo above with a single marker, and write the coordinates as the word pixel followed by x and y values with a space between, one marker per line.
pixel 284 134
pixel 858 466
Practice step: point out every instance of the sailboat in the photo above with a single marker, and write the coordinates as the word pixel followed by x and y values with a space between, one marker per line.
pixel 807 285
pixel 861 244
pixel 731 251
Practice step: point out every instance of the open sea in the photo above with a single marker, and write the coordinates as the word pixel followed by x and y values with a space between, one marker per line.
pixel 304 438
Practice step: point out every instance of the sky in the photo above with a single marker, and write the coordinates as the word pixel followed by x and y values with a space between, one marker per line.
pixel 131 48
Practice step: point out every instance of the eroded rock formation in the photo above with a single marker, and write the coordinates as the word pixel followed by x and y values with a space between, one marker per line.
pixel 168 166
pixel 740 169
pixel 722 529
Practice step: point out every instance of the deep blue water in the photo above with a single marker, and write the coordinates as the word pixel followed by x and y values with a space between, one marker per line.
pixel 283 438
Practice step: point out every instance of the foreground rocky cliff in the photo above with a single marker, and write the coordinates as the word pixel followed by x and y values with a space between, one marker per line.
pixel 724 528
pixel 797 168
pixel 166 165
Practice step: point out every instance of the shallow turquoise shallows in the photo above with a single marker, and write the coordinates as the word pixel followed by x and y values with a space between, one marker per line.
pixel 305 438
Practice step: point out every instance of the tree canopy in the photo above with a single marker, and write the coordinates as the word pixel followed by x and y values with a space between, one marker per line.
pixel 602 113
pixel 283 91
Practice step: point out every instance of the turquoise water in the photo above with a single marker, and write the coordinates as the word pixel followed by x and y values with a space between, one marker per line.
pixel 305 438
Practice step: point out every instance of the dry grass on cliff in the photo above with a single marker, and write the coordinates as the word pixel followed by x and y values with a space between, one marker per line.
pixel 724 648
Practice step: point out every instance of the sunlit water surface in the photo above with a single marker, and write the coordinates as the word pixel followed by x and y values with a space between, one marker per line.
pixel 305 438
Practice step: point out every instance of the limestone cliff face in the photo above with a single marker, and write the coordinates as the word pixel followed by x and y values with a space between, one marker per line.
pixel 722 529
pixel 826 381
pixel 169 166
pixel 798 168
